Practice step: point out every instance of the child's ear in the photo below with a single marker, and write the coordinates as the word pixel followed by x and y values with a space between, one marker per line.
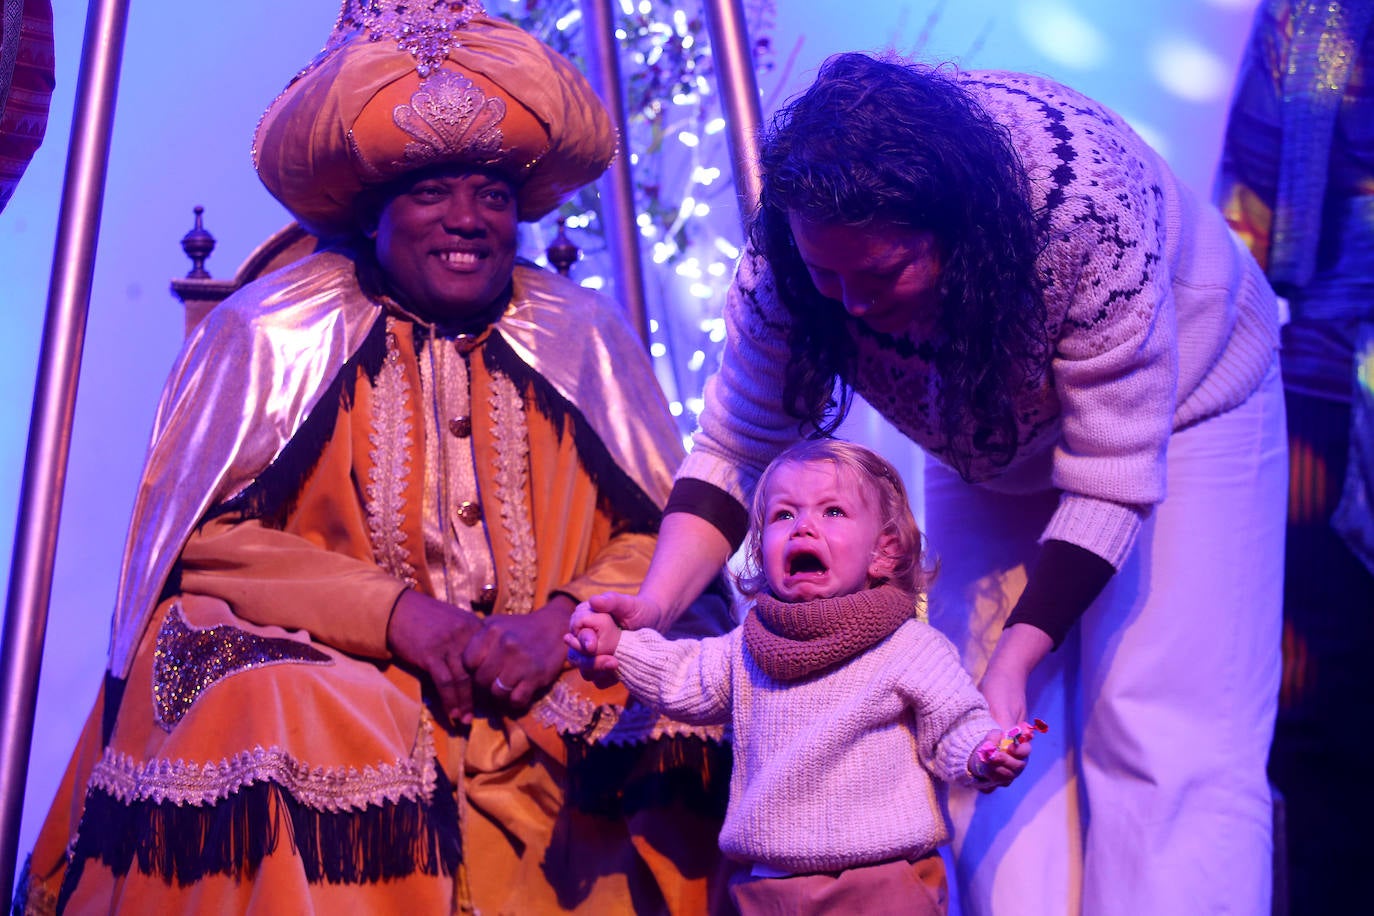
pixel 884 558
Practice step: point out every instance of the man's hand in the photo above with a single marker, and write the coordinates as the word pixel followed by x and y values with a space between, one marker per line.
pixel 515 656
pixel 431 636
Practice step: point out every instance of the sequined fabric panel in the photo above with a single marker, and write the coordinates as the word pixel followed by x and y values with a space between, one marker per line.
pixel 188 661
pixel 425 29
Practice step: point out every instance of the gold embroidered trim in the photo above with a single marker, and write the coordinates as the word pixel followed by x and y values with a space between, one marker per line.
pixel 568 712
pixel 322 788
pixel 512 440
pixel 449 117
pixel 189 660
pixel 425 29
pixel 390 454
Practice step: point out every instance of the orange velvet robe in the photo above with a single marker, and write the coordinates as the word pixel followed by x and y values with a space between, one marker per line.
pixel 262 714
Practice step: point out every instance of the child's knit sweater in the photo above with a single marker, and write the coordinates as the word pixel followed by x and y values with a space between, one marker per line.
pixel 841 769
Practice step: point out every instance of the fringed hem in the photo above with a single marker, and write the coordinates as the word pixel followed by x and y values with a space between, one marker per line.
pixel 614 780
pixel 569 713
pixel 335 789
pixel 183 843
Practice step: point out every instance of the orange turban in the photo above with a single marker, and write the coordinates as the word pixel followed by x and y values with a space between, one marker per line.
pixel 403 85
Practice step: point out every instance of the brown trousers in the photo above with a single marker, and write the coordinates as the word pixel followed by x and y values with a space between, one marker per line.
pixel 898 888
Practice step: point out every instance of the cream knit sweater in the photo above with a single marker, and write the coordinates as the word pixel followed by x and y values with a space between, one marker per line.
pixel 842 769
pixel 1159 318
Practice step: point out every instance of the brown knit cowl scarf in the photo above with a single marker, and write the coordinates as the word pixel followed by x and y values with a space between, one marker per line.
pixel 793 640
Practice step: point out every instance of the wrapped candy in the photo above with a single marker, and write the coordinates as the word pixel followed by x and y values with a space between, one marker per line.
pixel 1017 734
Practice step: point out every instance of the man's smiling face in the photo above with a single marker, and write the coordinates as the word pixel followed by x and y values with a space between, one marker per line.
pixel 446 241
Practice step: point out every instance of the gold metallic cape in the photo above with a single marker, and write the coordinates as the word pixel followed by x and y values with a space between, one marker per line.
pixel 251 372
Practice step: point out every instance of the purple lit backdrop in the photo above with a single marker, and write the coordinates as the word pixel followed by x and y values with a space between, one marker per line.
pixel 195 79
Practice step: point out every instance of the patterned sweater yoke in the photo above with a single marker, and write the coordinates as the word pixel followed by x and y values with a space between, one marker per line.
pixel 1158 317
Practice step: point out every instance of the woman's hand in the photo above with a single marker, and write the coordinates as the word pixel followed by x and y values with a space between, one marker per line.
pixel 1019 650
pixel 591 639
pixel 431 635
pixel 632 612
pixel 515 656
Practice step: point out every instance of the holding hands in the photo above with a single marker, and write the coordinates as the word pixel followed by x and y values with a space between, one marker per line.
pixel 510 657
pixel 594 632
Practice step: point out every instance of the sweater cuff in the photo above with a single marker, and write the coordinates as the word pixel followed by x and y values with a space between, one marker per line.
pixel 709 502
pixel 1099 526
pixel 1064 582
pixel 641 662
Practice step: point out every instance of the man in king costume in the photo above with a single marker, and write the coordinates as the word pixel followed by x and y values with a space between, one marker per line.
pixel 380 479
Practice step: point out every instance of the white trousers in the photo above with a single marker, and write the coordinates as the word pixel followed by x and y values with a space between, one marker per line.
pixel 1148 795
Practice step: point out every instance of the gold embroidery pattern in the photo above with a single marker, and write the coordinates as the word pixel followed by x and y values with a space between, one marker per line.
pixel 511 433
pixel 187 661
pixel 568 712
pixel 390 439
pixel 427 29
pixel 450 117
pixel 322 788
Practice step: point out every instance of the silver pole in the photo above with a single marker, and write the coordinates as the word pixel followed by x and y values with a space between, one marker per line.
pixel 617 187
pixel 734 63
pixel 54 403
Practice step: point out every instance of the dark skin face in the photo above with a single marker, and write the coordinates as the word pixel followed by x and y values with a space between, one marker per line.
pixel 446 241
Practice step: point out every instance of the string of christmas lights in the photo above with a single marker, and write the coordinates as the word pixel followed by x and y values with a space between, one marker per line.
pixel 679 162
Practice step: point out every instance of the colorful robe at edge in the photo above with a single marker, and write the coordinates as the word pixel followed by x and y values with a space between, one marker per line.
pixel 254 745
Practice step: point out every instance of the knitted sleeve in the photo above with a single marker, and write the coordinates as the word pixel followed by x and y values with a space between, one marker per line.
pixel 952 717
pixel 1109 299
pixel 689 679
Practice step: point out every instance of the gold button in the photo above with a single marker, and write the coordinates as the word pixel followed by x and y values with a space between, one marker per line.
pixel 460 427
pixel 485 600
pixel 469 513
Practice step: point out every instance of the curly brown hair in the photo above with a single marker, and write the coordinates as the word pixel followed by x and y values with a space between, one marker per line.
pixel 887 142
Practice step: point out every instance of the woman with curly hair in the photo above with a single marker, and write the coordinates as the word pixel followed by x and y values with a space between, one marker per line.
pixel 1021 286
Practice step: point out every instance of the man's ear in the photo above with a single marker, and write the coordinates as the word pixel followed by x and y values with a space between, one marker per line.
pixel 884 557
pixel 368 207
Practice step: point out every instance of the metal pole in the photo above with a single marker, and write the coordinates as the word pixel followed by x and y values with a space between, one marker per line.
pixel 739 90
pixel 617 187
pixel 54 403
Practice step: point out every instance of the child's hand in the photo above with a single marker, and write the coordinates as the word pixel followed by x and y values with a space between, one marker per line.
pixel 1003 755
pixel 591 639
